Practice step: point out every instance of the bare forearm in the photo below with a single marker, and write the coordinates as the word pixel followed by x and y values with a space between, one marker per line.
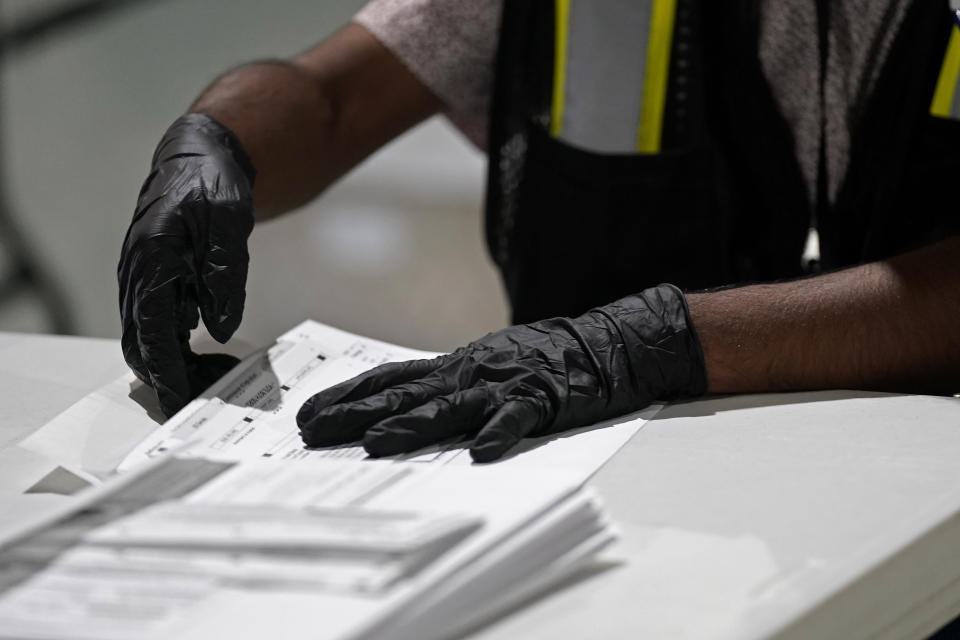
pixel 306 122
pixel 890 325
pixel 283 122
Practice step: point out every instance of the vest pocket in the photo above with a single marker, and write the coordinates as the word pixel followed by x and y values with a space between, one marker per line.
pixel 591 228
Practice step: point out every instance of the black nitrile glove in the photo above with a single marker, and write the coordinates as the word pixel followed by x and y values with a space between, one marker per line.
pixel 526 380
pixel 186 249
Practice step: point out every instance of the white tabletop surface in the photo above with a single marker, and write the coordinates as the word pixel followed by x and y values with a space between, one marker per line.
pixel 812 515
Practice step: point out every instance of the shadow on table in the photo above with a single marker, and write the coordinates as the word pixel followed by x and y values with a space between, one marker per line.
pixel 711 405
pixel 144 396
pixel 529 444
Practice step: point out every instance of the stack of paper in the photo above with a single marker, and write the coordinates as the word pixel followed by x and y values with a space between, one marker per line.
pixel 189 547
pixel 222 522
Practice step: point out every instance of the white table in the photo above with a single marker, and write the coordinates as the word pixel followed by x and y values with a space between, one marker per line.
pixel 813 515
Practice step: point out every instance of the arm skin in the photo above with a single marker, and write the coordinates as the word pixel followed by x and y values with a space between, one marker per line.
pixel 306 122
pixel 892 325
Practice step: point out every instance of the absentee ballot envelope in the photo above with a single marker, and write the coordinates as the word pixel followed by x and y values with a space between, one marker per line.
pixel 193 547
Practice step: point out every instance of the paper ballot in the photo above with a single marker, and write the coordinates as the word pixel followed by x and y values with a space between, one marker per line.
pixel 188 548
pixel 251 412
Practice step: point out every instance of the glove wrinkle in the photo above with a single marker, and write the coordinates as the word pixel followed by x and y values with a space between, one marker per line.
pixel 440 419
pixel 515 419
pixel 612 346
pixel 604 388
pixel 352 419
pixel 366 384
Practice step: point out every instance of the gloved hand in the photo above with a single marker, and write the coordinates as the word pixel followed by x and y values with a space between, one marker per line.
pixel 186 249
pixel 526 380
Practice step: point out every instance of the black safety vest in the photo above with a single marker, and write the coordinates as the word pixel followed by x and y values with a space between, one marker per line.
pixel 722 199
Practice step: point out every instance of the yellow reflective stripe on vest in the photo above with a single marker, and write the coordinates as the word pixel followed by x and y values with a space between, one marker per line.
pixel 611 73
pixel 650 130
pixel 945 101
pixel 559 66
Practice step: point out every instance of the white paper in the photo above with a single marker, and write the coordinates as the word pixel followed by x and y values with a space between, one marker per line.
pixel 251 413
pixel 241 527
pixel 62 603
pixel 95 433
pixel 97 587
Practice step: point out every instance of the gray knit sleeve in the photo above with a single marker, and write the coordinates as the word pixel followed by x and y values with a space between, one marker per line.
pixel 449 45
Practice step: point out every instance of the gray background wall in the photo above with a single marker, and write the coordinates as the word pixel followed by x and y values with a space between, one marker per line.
pixel 394 251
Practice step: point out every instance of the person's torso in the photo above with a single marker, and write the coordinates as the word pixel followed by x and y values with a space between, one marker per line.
pixel 694 142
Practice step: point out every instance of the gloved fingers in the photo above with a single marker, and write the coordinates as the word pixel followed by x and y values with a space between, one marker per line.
pixel 130 340
pixel 130 343
pixel 162 342
pixel 155 282
pixel 444 417
pixel 223 272
pixel 514 421
pixel 347 421
pixel 202 370
pixel 367 384
pixel 187 313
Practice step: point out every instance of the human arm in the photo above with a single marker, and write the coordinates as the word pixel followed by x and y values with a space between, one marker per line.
pixel 308 121
pixel 889 325
pixel 892 325
pixel 263 138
